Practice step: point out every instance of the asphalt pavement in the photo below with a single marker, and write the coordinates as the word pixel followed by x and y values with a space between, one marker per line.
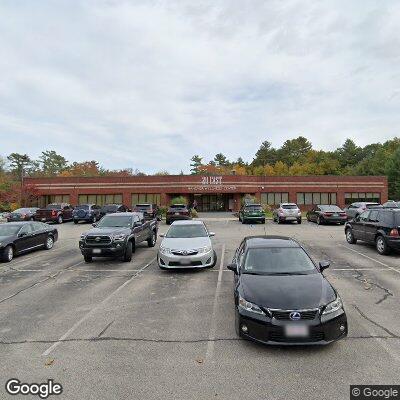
pixel 115 330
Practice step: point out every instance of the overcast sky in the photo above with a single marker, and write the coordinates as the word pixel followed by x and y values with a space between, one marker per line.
pixel 147 84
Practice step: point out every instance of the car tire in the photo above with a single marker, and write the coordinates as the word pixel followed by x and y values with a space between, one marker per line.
pixel 8 254
pixel 94 219
pixel 243 221
pixel 299 221
pixel 49 243
pixel 168 222
pixel 215 259
pixel 350 236
pixel 381 245
pixel 76 221
pixel 319 220
pixel 308 218
pixel 278 220
pixel 59 219
pixel 151 241
pixel 128 252
pixel 88 259
pixel 263 221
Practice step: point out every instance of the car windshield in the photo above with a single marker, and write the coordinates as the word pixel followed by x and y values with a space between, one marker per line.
pixel 23 210
pixel 187 231
pixel 373 205
pixel 174 206
pixel 109 208
pixel 111 221
pixel 253 207
pixel 82 207
pixel 278 261
pixel 330 208
pixel 54 207
pixel 8 229
pixel 143 206
pixel 289 206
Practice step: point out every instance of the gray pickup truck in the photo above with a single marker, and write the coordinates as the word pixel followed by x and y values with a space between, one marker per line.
pixel 117 235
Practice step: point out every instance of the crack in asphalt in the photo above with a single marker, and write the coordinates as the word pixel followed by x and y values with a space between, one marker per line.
pixel 105 328
pixel 361 278
pixel 165 341
pixel 393 335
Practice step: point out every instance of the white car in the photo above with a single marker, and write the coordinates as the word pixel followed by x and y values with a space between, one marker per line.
pixel 187 244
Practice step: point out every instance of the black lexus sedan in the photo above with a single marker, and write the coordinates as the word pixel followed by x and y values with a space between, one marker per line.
pixel 20 237
pixel 282 297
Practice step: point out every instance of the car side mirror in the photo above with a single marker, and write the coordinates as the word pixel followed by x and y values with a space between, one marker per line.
pixel 161 235
pixel 22 234
pixel 211 233
pixel 232 267
pixel 94 224
pixel 324 265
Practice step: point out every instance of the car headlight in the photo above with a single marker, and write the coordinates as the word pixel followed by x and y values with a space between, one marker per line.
pixel 120 236
pixel 83 236
pixel 246 305
pixel 204 249
pixel 165 250
pixel 333 306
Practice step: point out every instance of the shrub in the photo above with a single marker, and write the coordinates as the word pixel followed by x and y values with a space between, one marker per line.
pixel 193 213
pixel 179 200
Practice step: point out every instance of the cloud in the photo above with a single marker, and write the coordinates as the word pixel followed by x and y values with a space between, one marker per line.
pixel 147 84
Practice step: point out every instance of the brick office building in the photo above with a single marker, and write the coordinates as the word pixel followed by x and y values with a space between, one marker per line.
pixel 212 193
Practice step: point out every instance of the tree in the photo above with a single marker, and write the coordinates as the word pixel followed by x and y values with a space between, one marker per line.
pixel 220 160
pixel 393 173
pixel 294 150
pixel 162 173
pixel 52 163
pixel 18 163
pixel 196 162
pixel 349 154
pixel 85 168
pixel 266 154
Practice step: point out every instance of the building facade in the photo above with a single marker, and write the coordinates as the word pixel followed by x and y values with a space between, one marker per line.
pixel 212 193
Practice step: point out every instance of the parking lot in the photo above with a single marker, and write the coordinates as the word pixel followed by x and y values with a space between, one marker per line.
pixel 110 329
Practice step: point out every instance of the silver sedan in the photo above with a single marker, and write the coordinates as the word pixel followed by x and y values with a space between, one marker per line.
pixel 187 244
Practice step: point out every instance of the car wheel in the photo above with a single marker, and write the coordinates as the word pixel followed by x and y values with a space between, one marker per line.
pixel 350 237
pixel 243 221
pixel 48 245
pixel 88 259
pixel 215 259
pixel 168 222
pixel 278 220
pixel 60 219
pixel 319 220
pixel 299 221
pixel 381 246
pixel 151 241
pixel 263 221
pixel 76 221
pixel 308 218
pixel 94 219
pixel 128 252
pixel 8 254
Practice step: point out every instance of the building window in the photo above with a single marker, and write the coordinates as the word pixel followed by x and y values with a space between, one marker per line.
pixel 149 198
pixel 274 198
pixel 312 198
pixel 43 201
pixel 100 199
pixel 358 197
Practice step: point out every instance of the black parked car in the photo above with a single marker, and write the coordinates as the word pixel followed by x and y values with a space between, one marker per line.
pixel 86 212
pixel 117 235
pixel 20 237
pixel 150 211
pixel 282 297
pixel 380 227
pixel 324 214
pixel 23 214
pixel 113 208
pixel 177 212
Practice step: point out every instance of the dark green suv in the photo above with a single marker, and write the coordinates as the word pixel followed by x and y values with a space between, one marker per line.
pixel 252 212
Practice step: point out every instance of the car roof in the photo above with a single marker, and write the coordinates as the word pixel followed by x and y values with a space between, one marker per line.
pixel 19 223
pixel 123 214
pixel 270 241
pixel 188 222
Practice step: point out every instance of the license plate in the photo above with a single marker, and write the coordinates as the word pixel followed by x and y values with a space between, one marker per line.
pixel 296 330
pixel 185 261
pixel 290 218
pixel 335 215
pixel 176 213
pixel 96 251
pixel 43 219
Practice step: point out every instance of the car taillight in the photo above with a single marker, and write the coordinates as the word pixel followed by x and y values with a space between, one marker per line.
pixel 328 214
pixel 53 213
pixel 394 232
pixel 342 214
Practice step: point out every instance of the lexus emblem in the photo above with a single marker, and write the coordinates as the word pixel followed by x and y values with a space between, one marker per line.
pixel 294 316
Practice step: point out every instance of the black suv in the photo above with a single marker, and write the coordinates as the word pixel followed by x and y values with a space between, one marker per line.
pixel 150 211
pixel 379 226
pixel 113 208
pixel 117 235
pixel 86 212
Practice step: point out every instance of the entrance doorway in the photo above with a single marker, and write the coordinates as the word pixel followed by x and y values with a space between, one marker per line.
pixel 213 202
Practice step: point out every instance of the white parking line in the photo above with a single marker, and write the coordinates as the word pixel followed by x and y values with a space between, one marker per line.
pixel 213 327
pixel 372 259
pixel 93 310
